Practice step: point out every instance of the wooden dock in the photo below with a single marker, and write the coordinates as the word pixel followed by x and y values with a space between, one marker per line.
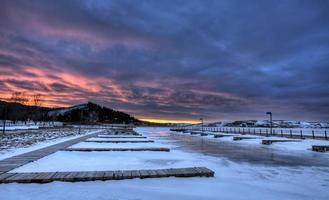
pixel 222 135
pixel 120 141
pixel 270 141
pixel 11 163
pixel 46 177
pixel 235 138
pixel 118 149
pixel 121 136
pixel 320 148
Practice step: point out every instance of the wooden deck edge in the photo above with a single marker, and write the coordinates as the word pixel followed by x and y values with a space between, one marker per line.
pixel 120 141
pixel 121 137
pixel 320 148
pixel 118 149
pixel 268 142
pixel 47 177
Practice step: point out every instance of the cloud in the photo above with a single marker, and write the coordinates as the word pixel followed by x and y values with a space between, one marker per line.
pixel 171 59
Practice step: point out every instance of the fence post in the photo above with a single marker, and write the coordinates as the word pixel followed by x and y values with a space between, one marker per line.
pixel 242 130
pixel 313 134
pixel 325 135
pixel 290 133
pixel 260 131
pixel 254 131
pixel 266 133
pixel 301 134
pixel 281 133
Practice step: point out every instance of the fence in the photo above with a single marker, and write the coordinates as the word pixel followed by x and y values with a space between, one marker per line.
pixel 281 132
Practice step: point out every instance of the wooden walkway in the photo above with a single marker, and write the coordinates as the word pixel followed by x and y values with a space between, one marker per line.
pixel 320 148
pixel 270 141
pixel 46 177
pixel 235 138
pixel 120 141
pixel 22 159
pixel 119 149
pixel 121 136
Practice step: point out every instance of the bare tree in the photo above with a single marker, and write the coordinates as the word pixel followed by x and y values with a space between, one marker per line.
pixel 37 100
pixel 19 97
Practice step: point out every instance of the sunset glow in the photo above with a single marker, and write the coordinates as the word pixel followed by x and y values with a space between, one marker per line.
pixel 173 68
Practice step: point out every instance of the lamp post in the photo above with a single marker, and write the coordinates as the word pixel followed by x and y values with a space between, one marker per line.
pixel 4 119
pixel 271 123
pixel 201 119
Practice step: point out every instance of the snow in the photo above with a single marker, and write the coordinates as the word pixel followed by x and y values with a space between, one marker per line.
pixel 120 145
pixel 13 152
pixel 233 180
pixel 20 127
pixel 91 161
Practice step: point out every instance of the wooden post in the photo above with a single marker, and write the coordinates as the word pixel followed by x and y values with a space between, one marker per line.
pixel 290 133
pixel 301 134
pixel 281 133
pixel 266 133
pixel 313 134
pixel 325 134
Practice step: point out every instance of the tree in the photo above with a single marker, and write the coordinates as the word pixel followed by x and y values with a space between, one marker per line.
pixel 19 97
pixel 37 103
pixel 37 100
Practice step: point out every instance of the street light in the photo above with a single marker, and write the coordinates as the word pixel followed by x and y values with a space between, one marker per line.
pixel 271 125
pixel 201 119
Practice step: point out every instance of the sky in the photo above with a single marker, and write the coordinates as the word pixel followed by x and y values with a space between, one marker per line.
pixel 176 60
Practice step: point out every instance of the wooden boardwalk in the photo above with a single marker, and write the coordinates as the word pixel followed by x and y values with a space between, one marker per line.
pixel 119 149
pixel 120 141
pixel 222 135
pixel 270 141
pixel 22 159
pixel 46 177
pixel 121 136
pixel 320 148
pixel 235 138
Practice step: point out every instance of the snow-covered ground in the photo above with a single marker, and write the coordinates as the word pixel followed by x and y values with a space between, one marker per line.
pixel 20 127
pixel 233 180
pixel 13 144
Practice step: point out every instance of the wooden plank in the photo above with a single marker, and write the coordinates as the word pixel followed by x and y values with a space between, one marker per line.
pixel 108 175
pixel 46 177
pixel 118 149
pixel 235 138
pixel 11 163
pixel 117 175
pixel 270 141
pixel 121 136
pixel 120 141
pixel 320 148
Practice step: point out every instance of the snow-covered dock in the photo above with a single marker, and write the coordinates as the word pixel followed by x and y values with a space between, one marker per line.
pixel 47 177
pixel 119 141
pixel 19 160
pixel 270 141
pixel 119 149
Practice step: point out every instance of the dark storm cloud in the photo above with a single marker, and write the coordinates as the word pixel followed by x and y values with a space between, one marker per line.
pixel 173 59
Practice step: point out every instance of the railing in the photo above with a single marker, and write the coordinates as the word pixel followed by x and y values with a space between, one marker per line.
pixel 281 132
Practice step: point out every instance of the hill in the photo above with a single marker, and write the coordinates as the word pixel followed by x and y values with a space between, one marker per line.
pixel 85 113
